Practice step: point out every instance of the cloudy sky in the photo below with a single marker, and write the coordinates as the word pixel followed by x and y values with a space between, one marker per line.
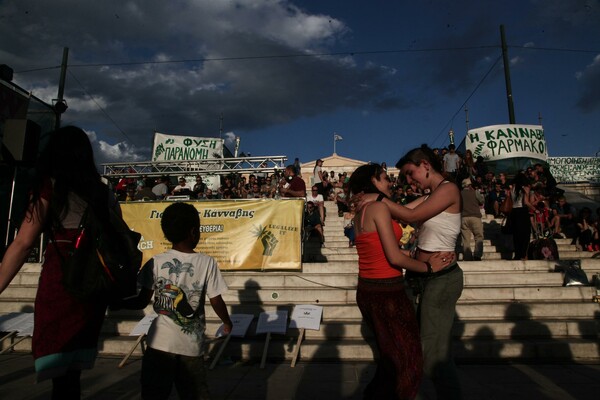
pixel 286 75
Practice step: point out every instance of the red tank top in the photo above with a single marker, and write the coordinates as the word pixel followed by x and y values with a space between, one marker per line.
pixel 372 263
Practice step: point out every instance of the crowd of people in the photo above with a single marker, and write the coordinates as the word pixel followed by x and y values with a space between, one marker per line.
pixel 232 186
pixel 543 204
pixel 541 210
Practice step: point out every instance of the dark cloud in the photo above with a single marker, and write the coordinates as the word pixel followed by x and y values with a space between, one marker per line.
pixel 566 19
pixel 255 75
pixel 176 67
pixel 453 69
pixel 589 100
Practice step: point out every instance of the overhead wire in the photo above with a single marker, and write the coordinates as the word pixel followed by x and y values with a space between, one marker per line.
pixel 266 57
pixel 450 121
pixel 301 55
pixel 99 106
pixel 305 55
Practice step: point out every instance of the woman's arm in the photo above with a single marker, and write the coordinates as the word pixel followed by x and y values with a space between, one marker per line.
pixel 440 200
pixel 383 223
pixel 415 203
pixel 19 249
pixel 527 198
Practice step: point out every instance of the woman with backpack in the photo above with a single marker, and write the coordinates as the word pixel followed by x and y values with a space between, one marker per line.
pixel 66 183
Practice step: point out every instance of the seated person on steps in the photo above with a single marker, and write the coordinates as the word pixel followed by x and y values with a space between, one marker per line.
pixel 183 188
pixel 541 218
pixel 312 222
pixel 318 201
pixel 563 218
pixel 349 224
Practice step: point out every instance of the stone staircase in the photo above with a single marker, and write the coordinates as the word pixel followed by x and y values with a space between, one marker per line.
pixel 508 310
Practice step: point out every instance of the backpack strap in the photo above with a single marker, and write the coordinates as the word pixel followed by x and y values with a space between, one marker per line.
pixel 78 236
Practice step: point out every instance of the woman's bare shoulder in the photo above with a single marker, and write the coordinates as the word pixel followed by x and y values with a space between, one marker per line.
pixel 376 208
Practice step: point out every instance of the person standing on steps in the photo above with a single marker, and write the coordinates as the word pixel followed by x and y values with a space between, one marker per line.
pixel 472 200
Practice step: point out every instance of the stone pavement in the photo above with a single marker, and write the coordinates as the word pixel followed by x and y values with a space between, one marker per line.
pixel 312 381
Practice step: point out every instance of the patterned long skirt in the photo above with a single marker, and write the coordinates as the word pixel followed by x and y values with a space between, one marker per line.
pixel 66 330
pixel 391 316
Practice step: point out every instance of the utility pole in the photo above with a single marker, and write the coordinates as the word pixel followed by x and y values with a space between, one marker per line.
pixel 467 117
pixel 221 126
pixel 509 96
pixel 60 105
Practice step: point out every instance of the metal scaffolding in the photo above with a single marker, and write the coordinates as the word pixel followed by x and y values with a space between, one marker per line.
pixel 209 166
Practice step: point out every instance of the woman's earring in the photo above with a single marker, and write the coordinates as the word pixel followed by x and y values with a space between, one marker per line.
pixel 427 175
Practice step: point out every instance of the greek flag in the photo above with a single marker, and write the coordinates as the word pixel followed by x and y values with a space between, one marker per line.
pixel 337 137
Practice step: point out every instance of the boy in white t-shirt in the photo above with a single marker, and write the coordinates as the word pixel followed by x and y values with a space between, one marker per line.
pixel 179 279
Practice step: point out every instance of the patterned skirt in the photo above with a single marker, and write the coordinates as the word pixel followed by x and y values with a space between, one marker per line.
pixel 391 316
pixel 66 330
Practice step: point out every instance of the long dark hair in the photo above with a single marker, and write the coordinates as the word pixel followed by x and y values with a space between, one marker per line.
pixel 520 181
pixel 360 180
pixel 68 162
pixel 419 154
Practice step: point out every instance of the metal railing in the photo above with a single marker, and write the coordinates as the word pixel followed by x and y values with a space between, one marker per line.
pixel 210 166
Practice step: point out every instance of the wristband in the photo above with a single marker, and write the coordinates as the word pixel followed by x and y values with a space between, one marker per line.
pixel 429 268
pixel 381 197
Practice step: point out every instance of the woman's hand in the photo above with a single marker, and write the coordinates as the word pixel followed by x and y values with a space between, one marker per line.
pixel 227 328
pixel 362 199
pixel 441 260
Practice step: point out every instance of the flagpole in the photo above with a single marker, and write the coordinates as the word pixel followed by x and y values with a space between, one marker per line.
pixel 334 142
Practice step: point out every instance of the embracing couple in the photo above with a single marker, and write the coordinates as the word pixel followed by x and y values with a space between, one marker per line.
pixel 410 341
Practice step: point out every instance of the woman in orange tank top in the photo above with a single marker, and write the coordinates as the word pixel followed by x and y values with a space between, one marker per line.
pixel 381 294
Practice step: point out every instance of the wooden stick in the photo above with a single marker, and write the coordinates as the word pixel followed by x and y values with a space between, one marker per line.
pixel 218 355
pixel 14 344
pixel 265 351
pixel 297 349
pixel 11 334
pixel 138 341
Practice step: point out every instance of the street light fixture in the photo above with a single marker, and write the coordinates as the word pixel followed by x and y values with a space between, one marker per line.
pixel 60 106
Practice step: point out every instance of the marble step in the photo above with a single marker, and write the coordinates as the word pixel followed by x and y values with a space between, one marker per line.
pixel 331 295
pixel 283 347
pixel 589 265
pixel 463 329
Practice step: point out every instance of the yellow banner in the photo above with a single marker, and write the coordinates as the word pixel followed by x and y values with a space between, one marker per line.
pixel 239 234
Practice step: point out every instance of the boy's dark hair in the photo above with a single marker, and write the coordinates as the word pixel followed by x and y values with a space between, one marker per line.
pixel 178 220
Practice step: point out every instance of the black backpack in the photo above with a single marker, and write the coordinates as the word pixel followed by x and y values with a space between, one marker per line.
pixel 104 259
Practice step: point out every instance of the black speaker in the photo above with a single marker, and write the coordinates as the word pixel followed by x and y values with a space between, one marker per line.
pixel 21 140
